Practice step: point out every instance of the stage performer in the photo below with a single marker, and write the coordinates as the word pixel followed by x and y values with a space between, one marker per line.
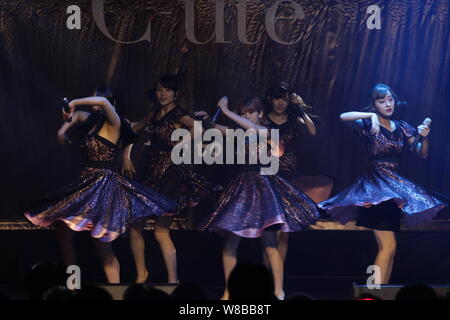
pixel 255 205
pixel 378 198
pixel 101 200
pixel 179 182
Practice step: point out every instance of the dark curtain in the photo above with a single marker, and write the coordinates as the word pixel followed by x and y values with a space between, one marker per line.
pixel 333 67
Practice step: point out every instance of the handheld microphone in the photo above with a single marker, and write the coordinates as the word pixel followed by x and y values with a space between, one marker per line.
pixel 216 115
pixel 66 108
pixel 222 100
pixel 418 137
pixel 66 104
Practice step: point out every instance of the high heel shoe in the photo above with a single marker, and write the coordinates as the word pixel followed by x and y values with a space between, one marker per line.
pixel 225 296
pixel 280 296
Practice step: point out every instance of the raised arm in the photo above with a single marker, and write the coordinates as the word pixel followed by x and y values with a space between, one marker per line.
pixel 241 121
pixel 206 118
pixel 309 124
pixel 112 118
pixel 354 118
pixel 297 101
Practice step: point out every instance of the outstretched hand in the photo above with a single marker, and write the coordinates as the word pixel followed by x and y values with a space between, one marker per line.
pixel 203 115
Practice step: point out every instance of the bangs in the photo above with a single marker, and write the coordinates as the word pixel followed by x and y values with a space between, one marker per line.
pixel 169 82
pixel 281 90
pixel 251 104
pixel 248 108
pixel 380 93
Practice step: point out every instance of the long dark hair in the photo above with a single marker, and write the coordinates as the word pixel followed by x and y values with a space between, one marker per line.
pixel 283 90
pixel 127 135
pixel 379 91
pixel 169 81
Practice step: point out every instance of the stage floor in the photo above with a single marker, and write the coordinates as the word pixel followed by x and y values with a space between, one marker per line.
pixel 322 262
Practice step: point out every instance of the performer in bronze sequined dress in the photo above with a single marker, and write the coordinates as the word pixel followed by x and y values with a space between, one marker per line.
pixel 378 199
pixel 178 182
pixel 254 205
pixel 101 201
pixel 287 112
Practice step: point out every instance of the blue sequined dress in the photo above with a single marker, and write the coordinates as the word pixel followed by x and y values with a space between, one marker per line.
pixel 252 203
pixel 101 200
pixel 382 183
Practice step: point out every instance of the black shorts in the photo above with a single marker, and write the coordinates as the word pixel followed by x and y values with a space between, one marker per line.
pixel 384 216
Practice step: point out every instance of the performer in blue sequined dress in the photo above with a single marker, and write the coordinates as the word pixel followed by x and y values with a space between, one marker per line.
pixel 101 201
pixel 287 112
pixel 177 181
pixel 253 205
pixel 379 198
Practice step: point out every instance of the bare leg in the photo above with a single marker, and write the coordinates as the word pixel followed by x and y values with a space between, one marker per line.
pixel 109 260
pixel 64 235
pixel 162 235
pixel 137 243
pixel 269 240
pixel 283 240
pixel 282 246
pixel 229 259
pixel 386 252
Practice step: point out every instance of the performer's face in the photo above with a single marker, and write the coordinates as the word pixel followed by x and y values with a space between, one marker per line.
pixel 279 105
pixel 386 105
pixel 251 115
pixel 165 96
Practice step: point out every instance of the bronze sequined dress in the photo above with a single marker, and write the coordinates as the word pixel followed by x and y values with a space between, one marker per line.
pixel 252 203
pixel 382 183
pixel 101 201
pixel 176 181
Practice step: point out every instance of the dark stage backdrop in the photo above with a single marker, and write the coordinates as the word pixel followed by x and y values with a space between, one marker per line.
pixel 333 66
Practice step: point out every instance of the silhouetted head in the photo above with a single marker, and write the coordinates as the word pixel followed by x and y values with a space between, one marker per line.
pixel 91 293
pixel 43 276
pixel 58 293
pixel 188 291
pixel 416 292
pixel 251 281
pixel 143 291
pixel 157 294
